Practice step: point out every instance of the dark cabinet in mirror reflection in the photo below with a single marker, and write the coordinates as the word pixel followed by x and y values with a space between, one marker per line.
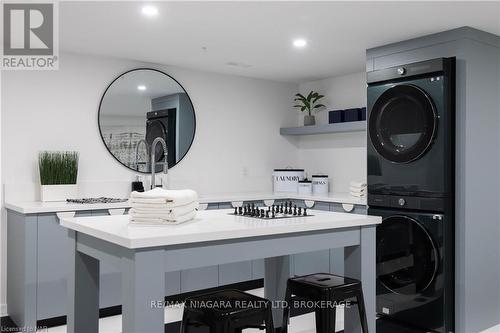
pixel 139 106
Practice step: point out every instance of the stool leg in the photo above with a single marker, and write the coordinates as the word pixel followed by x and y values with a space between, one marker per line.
pixel 325 320
pixel 220 327
pixel 362 311
pixel 286 310
pixel 269 320
pixel 185 322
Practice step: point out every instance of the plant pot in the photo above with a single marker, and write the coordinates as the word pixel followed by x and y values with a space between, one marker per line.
pixel 309 120
pixel 58 192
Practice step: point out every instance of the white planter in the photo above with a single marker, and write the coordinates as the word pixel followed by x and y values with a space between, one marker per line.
pixel 58 192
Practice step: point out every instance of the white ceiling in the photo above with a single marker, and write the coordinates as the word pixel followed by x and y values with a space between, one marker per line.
pixel 156 83
pixel 258 35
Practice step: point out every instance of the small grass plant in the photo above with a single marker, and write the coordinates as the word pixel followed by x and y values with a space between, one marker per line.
pixel 58 167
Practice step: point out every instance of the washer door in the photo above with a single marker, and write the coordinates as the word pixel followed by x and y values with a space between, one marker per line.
pixel 402 123
pixel 155 129
pixel 407 256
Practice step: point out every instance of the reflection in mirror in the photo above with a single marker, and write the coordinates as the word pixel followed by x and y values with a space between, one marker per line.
pixel 139 106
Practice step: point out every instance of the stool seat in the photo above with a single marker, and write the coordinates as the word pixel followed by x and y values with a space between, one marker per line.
pixel 227 311
pixel 325 287
pixel 325 281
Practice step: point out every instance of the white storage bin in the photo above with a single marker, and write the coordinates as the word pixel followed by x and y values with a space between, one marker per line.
pixel 305 187
pixel 287 180
pixel 320 185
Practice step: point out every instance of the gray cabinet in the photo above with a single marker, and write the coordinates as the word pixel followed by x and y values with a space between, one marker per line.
pixel 311 262
pixel 38 261
pixel 337 255
pixel 318 261
pixel 52 262
pixel 52 266
pixel 199 278
pixel 235 272
pixel 358 209
pixel 109 278
pixel 258 269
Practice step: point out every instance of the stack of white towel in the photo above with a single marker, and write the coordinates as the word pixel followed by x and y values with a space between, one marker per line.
pixel 160 206
pixel 357 189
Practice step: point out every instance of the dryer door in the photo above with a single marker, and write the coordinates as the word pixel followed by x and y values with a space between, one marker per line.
pixel 402 123
pixel 407 256
pixel 156 129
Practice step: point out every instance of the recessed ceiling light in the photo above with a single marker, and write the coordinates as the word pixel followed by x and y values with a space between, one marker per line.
pixel 299 43
pixel 150 11
pixel 141 87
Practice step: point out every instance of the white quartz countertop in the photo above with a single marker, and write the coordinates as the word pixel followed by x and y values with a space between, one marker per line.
pixel 35 207
pixel 210 225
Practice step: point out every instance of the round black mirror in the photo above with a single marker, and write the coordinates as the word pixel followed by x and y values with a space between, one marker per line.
pixel 140 106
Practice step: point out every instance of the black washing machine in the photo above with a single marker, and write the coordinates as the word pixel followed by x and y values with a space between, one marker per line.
pixel 162 123
pixel 414 264
pixel 411 185
pixel 410 134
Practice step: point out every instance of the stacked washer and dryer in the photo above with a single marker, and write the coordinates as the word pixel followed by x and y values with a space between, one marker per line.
pixel 411 185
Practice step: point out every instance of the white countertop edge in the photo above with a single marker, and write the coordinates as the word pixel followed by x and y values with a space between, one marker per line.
pixel 35 207
pixel 218 235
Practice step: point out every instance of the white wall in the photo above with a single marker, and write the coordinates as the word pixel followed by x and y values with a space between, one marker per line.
pixel 238 122
pixel 237 141
pixel 342 156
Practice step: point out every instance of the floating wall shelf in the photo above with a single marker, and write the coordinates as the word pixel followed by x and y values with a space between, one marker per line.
pixel 352 126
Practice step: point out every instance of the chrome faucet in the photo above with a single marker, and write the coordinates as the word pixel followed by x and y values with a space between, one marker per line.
pixel 137 153
pixel 153 159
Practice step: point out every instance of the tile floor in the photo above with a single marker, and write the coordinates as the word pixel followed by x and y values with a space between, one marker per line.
pixel 300 324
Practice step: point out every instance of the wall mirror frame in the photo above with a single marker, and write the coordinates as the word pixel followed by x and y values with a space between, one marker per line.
pixel 140 105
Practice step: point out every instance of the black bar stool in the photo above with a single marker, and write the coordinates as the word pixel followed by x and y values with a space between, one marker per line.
pixel 324 287
pixel 227 311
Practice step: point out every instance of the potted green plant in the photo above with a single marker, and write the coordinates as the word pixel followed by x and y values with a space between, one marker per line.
pixel 308 103
pixel 58 173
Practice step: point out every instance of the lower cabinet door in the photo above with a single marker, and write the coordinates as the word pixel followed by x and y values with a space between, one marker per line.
pixel 110 283
pixel 235 272
pixel 311 262
pixel 199 278
pixel 53 263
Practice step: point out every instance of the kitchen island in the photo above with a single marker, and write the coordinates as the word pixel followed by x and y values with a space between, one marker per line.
pixel 145 253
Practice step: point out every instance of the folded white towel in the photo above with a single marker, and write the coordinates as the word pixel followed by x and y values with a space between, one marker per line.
pixel 357 189
pixel 357 184
pixel 171 198
pixel 160 221
pixel 358 194
pixel 169 214
pixel 163 208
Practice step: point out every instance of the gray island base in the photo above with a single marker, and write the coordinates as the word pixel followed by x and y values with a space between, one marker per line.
pixel 145 253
